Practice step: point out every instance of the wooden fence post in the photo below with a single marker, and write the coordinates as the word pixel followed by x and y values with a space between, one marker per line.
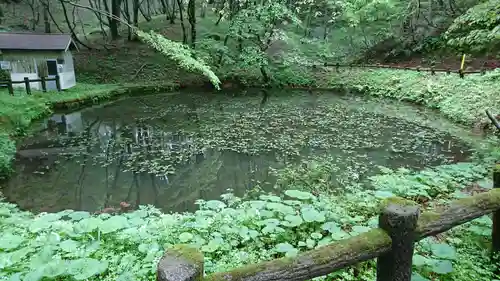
pixel 58 83
pixel 10 87
pixel 27 85
pixel 181 263
pixel 44 84
pixel 495 229
pixel 399 218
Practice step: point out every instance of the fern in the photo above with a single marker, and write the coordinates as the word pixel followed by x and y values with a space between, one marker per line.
pixel 179 53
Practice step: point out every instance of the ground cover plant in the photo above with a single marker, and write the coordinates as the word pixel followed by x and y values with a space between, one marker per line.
pixel 461 100
pixel 274 42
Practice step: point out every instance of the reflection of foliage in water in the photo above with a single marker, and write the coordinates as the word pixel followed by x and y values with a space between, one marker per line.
pixel 193 146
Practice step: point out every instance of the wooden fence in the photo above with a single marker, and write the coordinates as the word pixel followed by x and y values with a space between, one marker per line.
pixel 400 226
pixel 27 85
pixel 433 70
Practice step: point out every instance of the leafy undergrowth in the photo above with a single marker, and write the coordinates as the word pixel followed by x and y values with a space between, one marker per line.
pixel 461 100
pixel 231 232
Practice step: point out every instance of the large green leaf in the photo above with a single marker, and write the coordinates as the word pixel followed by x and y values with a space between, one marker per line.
pixel 443 251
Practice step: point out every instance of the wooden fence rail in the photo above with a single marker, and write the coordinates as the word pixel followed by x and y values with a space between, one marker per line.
pixel 27 85
pixel 431 69
pixel 400 226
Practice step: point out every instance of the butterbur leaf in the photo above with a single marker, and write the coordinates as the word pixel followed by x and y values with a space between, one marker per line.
pixel 35 275
pixel 55 268
pixel 442 267
pixel 212 246
pixel 331 227
pixel 292 221
pixel 15 277
pixel 417 277
pixel 69 245
pixel 310 214
pixel 381 194
pixel 78 215
pixel 85 268
pixel 310 243
pixel 271 198
pixel 316 235
pixel 89 224
pixel 443 251
pixel 419 260
pixel 113 224
pixel 215 204
pixel 185 237
pixel 282 208
pixel 10 241
pixel 301 195
pixel 360 229
pixel 284 247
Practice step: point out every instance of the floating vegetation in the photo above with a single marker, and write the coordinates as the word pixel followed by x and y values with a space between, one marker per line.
pixel 170 150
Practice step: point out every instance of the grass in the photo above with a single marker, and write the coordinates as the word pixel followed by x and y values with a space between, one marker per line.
pixel 461 100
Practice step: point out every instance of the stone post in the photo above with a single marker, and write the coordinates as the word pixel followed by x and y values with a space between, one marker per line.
pixel 399 219
pixel 180 263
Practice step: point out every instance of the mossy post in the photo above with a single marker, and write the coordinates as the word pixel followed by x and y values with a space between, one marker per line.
pixel 180 263
pixel 399 219
pixel 495 229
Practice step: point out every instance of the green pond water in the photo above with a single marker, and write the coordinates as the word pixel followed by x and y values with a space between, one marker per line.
pixel 172 149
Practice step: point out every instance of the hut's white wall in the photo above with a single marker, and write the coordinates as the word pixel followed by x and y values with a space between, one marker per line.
pixel 20 77
pixel 33 64
pixel 67 75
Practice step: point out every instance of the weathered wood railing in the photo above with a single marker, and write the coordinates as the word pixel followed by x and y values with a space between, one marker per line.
pixel 27 81
pixel 433 70
pixel 400 226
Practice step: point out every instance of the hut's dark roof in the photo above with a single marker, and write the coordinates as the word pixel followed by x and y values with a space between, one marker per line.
pixel 34 41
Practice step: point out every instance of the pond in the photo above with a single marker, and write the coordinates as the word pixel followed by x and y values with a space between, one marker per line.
pixel 171 149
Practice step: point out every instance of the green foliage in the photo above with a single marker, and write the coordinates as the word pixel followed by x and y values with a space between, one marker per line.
pixel 477 30
pixel 180 53
pixel 461 100
pixel 7 151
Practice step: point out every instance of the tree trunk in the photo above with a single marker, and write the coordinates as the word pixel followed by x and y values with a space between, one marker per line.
pixel 46 19
pixel 181 18
pixel 191 10
pixel 71 27
pixel 203 10
pixel 172 14
pixel 116 15
pixel 145 14
pixel 126 14
pixel 135 11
